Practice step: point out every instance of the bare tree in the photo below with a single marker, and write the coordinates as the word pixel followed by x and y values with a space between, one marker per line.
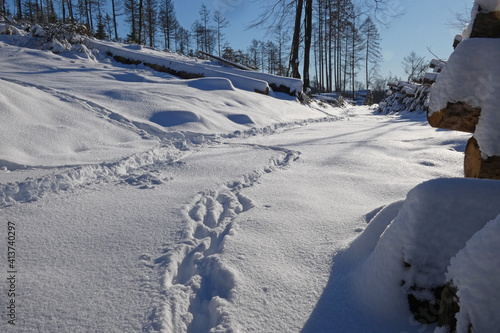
pixel 294 58
pixel 414 65
pixel 205 18
pixel 460 17
pixel 307 42
pixel 182 40
pixel 114 11
pixel 254 52
pixel 372 48
pixel 168 21
pixel 131 9
pixel 150 21
pixel 220 23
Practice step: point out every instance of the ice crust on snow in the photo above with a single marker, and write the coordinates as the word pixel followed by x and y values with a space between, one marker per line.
pixel 471 76
pixel 436 220
pixel 475 271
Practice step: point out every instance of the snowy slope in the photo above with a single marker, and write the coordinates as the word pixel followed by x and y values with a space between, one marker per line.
pixel 196 206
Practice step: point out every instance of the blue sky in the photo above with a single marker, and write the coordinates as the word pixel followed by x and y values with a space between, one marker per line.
pixel 423 24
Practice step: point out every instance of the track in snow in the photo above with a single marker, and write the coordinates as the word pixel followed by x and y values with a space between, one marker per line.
pixel 195 283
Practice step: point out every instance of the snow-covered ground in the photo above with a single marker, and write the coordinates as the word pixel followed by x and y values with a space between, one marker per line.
pixel 146 203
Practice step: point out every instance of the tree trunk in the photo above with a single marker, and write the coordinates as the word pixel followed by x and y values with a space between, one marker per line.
pixel 307 42
pixel 294 60
pixel 114 18
pixel 19 9
pixel 139 36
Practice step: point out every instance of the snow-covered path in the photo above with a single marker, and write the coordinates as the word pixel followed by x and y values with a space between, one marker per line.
pixel 238 236
pixel 145 203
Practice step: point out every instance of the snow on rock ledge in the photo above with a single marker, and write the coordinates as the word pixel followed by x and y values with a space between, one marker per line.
pixel 472 76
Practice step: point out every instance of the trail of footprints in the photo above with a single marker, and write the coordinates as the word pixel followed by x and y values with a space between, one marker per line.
pixel 195 281
pixel 196 285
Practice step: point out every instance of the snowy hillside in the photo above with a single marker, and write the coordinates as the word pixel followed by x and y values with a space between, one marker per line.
pixel 136 201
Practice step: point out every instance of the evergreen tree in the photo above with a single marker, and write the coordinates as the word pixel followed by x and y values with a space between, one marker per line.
pixel 101 28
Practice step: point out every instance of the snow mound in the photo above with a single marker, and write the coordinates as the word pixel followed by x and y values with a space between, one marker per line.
pixel 211 84
pixel 475 271
pixel 42 129
pixel 411 257
pixel 186 67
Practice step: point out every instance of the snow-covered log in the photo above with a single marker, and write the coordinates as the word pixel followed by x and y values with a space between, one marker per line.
pixel 192 68
pixel 465 97
pixel 411 96
pixel 477 167
pixel 458 116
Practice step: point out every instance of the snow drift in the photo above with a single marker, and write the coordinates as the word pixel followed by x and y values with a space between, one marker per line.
pixel 412 258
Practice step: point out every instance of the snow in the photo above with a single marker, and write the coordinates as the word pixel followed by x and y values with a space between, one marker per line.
pixel 420 241
pixel 469 77
pixel 477 280
pixel 143 202
pixel 246 80
pixel 489 5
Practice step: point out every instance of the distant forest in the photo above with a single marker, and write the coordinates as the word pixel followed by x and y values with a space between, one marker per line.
pixel 337 40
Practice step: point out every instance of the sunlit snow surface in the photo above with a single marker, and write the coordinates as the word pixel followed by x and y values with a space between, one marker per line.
pixel 194 206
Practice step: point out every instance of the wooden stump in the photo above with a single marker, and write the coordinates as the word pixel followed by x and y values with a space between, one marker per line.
pixel 458 116
pixel 476 167
pixel 472 161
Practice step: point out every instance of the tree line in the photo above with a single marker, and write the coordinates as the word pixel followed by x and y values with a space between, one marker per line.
pixel 333 45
